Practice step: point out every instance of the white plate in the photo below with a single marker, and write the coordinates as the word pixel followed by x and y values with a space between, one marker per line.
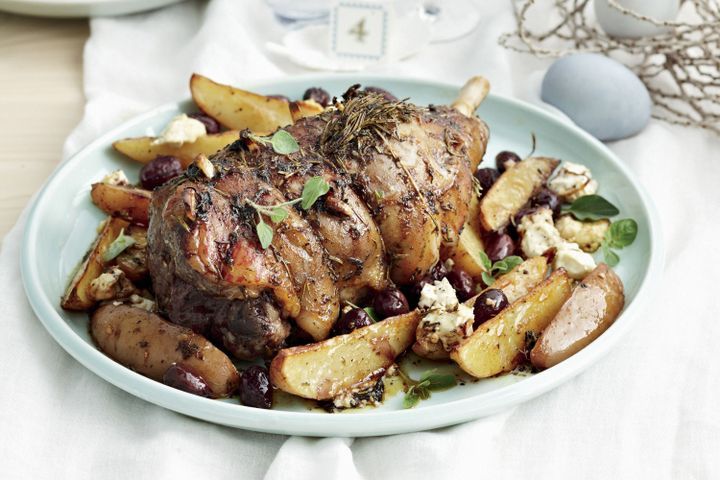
pixel 80 8
pixel 63 221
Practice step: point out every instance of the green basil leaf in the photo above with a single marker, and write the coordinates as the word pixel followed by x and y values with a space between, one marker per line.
pixel 284 143
pixel 622 233
pixel 591 207
pixel 487 278
pixel 371 313
pixel 485 260
pixel 118 246
pixel 441 382
pixel 314 188
pixel 264 233
pixel 411 399
pixel 278 214
pixel 611 258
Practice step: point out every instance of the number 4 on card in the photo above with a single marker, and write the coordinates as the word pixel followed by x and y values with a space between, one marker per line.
pixel 359 29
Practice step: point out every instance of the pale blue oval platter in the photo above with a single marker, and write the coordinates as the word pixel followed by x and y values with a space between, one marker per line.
pixel 62 223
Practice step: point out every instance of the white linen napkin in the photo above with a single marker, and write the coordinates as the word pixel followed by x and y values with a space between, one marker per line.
pixel 647 410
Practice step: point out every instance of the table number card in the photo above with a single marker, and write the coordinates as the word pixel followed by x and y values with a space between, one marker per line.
pixel 360 29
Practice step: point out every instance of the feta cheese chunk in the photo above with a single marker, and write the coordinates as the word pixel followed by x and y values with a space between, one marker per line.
pixel 181 129
pixel 446 319
pixel 573 181
pixel 117 177
pixel 539 235
pixel 589 235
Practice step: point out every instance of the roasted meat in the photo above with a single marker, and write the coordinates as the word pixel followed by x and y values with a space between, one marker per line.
pixel 400 181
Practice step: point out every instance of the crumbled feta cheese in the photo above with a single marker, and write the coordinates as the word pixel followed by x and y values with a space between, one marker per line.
pixel 105 286
pixel 142 302
pixel 117 177
pixel 539 235
pixel 589 235
pixel 446 319
pixel 573 181
pixel 181 129
pixel 576 262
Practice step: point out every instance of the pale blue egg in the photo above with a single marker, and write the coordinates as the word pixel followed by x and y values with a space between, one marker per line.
pixel 599 94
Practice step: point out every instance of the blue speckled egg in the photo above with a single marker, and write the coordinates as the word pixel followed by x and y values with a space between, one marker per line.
pixel 601 95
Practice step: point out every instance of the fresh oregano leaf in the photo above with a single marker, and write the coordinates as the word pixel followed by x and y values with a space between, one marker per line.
pixel 118 246
pixel 622 233
pixel 314 188
pixel 485 260
pixel 284 143
pixel 611 258
pixel 507 264
pixel 487 278
pixel 278 214
pixel 264 233
pixel 591 207
pixel 411 399
pixel 440 382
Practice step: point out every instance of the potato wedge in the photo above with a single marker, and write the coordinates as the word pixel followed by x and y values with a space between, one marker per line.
pixel 146 343
pixel 141 149
pixel 593 307
pixel 125 201
pixel 239 109
pixel 499 344
pixel 304 108
pixel 513 190
pixel 323 370
pixel 467 253
pixel 515 284
pixel 78 296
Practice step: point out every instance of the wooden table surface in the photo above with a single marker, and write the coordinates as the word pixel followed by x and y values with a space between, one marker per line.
pixel 41 101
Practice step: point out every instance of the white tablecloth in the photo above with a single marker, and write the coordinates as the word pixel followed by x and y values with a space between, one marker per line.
pixel 650 409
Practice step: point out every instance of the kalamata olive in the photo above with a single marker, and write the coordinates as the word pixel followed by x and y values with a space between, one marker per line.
pixel 386 95
pixel 547 198
pixel 486 177
pixel 185 379
pixel 320 95
pixel 211 125
pixel 505 160
pixel 499 246
pixel 462 283
pixel 255 389
pixel 390 302
pixel 279 97
pixel 159 171
pixel 523 211
pixel 488 304
pixel 355 318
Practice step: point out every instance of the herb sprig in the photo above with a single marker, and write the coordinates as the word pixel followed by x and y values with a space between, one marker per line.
pixel 313 189
pixel 282 142
pixel 591 207
pixel 620 234
pixel 429 382
pixel 498 268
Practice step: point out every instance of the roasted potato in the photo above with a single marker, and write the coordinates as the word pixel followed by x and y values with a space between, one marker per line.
pixel 141 149
pixel 499 344
pixel 323 370
pixel 594 305
pixel 146 343
pixel 304 108
pixel 515 284
pixel 125 201
pixel 513 190
pixel 467 253
pixel 78 296
pixel 239 109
